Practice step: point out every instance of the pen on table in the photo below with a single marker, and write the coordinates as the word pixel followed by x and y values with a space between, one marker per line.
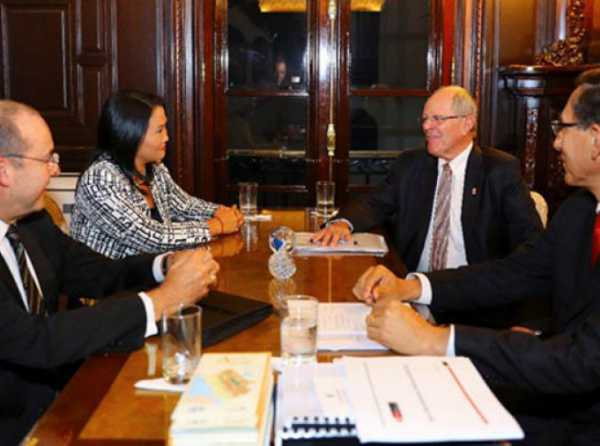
pixel 395 410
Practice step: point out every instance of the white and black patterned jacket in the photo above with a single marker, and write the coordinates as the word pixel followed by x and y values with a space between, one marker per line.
pixel 112 217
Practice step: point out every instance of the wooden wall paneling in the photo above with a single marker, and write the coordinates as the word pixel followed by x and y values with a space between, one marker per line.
pixel 137 35
pixel 220 85
pixel 35 50
pixel 343 102
pixel 178 50
pixel 447 47
pixel 55 57
pixel 204 105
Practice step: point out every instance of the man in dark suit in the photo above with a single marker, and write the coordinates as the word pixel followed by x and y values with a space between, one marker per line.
pixel 490 210
pixel 38 262
pixel 551 382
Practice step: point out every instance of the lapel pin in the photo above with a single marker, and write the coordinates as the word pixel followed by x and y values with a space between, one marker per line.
pixel 474 191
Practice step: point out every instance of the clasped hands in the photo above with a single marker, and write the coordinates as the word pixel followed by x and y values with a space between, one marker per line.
pixel 226 220
pixel 190 274
pixel 392 322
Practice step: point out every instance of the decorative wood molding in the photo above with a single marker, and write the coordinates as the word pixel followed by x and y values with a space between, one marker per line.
pixel 179 109
pixel 568 51
pixel 531 140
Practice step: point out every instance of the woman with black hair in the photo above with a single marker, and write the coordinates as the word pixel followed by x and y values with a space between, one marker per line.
pixel 126 202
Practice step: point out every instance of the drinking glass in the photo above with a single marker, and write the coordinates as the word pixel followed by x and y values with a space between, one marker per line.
pixel 325 191
pixel 247 198
pixel 299 329
pixel 181 343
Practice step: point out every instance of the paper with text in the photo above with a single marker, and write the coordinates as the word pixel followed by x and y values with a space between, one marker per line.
pixel 342 326
pixel 405 399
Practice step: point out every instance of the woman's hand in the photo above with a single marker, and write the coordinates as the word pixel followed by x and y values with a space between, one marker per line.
pixel 226 220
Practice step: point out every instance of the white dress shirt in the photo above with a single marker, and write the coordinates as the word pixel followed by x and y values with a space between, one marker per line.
pixel 457 255
pixel 8 254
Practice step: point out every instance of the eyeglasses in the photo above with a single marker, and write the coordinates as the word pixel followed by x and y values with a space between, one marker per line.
pixel 438 119
pixel 558 126
pixel 53 158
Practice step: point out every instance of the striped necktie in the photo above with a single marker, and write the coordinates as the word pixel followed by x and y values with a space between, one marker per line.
pixel 33 295
pixel 441 222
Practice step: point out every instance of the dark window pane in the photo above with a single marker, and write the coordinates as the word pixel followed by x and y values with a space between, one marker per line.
pixel 270 171
pixel 389 49
pixel 266 50
pixel 276 123
pixel 385 123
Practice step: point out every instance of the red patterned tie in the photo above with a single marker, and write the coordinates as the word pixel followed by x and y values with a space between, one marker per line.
pixel 596 241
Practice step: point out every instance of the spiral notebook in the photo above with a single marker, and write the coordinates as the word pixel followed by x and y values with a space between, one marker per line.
pixel 312 403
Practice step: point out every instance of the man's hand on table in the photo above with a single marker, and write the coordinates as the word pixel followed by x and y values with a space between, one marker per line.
pixel 332 234
pixel 378 282
pixel 399 327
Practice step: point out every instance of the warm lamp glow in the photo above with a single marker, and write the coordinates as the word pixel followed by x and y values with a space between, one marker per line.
pixel 300 5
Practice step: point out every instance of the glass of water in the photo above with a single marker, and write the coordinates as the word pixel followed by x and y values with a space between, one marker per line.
pixel 325 191
pixel 248 197
pixel 181 343
pixel 299 329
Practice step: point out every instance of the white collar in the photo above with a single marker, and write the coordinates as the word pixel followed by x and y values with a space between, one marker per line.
pixel 458 162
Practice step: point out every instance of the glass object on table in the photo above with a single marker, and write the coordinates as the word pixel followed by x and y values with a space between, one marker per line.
pixel 247 197
pixel 181 343
pixel 281 263
pixel 299 330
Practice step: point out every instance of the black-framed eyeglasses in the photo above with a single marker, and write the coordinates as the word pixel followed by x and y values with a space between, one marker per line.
pixel 438 119
pixel 53 158
pixel 558 126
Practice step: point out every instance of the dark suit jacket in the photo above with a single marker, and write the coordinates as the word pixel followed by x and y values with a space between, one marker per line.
pixel 34 348
pixel 497 215
pixel 562 370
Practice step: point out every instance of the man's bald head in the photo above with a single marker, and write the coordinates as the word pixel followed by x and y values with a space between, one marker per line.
pixel 12 139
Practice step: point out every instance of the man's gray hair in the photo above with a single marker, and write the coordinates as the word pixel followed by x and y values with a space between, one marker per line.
pixel 463 103
pixel 11 138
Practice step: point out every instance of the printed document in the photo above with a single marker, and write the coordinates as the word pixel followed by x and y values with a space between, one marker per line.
pixel 417 399
pixel 342 326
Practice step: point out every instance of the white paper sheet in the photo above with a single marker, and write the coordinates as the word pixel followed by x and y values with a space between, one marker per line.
pixel 406 399
pixel 342 326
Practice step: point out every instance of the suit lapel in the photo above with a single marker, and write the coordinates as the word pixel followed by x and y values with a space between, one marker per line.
pixel 423 205
pixel 9 283
pixel 471 197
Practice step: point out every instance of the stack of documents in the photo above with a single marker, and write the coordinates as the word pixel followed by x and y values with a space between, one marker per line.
pixel 228 402
pixel 312 403
pixel 362 243
pixel 390 400
pixel 342 326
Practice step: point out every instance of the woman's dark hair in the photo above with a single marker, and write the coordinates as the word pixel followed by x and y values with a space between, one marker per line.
pixel 122 126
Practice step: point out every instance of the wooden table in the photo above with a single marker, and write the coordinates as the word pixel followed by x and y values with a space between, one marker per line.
pixel 100 406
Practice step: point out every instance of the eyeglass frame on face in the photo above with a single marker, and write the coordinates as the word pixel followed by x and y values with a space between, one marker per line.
pixel 558 126
pixel 53 158
pixel 438 119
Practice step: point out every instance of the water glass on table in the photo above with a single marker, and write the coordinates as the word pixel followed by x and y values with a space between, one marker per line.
pixel 248 198
pixel 181 343
pixel 325 191
pixel 299 329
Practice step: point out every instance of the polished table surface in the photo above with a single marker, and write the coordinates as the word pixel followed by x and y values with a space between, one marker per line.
pixel 100 406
